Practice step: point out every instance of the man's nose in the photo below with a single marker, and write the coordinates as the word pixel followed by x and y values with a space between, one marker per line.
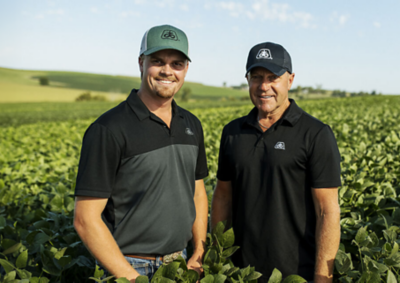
pixel 166 69
pixel 265 85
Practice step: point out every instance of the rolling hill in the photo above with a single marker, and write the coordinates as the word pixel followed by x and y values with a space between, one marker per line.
pixel 23 86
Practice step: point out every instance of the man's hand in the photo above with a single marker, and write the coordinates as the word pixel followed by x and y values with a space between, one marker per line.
pixel 195 263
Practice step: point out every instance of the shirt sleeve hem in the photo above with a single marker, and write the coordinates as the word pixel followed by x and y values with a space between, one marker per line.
pixel 90 193
pixel 322 185
pixel 201 175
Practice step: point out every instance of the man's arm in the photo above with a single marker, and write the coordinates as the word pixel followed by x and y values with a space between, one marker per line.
pixel 199 229
pixel 97 237
pixel 327 234
pixel 221 209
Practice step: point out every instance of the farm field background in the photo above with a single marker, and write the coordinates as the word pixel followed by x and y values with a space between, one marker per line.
pixel 23 86
pixel 39 153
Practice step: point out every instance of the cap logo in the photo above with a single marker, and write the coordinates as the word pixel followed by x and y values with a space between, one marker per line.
pixel 169 34
pixel 264 54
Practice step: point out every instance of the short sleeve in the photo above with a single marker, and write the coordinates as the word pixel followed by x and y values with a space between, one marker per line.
pixel 99 161
pixel 223 172
pixel 324 160
pixel 201 165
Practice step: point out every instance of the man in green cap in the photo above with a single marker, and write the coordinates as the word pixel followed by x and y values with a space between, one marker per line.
pixel 140 194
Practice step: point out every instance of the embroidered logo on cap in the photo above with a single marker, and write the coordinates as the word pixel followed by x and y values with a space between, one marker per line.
pixel 264 54
pixel 169 34
pixel 280 145
pixel 189 132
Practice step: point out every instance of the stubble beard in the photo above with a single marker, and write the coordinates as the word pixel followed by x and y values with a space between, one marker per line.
pixel 166 94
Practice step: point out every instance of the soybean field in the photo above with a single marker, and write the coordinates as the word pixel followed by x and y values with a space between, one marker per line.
pixel 39 161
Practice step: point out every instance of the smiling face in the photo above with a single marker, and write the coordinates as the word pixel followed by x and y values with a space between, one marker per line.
pixel 269 92
pixel 163 73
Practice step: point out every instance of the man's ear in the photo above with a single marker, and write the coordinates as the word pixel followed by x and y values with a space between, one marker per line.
pixel 290 80
pixel 141 62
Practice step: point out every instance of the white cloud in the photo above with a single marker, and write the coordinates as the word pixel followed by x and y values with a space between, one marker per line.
pixel 339 19
pixel 266 10
pixel 343 19
pixel 55 12
pixel 94 10
pixel 127 14
pixel 184 7
pixel 377 24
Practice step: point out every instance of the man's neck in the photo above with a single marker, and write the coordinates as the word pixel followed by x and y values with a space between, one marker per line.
pixel 268 119
pixel 161 107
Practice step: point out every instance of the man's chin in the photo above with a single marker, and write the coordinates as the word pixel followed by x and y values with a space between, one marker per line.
pixel 165 95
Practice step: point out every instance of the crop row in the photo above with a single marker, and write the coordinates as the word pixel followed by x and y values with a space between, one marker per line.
pixel 38 166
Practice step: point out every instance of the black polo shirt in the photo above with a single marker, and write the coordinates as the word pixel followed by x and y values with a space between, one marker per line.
pixel 272 174
pixel 147 171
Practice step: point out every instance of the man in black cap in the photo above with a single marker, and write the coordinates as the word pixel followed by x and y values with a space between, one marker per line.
pixel 278 177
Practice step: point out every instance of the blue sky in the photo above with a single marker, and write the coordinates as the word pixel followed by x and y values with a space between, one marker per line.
pixel 348 45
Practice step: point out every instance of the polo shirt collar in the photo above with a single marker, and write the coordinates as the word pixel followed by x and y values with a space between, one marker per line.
pixel 141 109
pixel 291 115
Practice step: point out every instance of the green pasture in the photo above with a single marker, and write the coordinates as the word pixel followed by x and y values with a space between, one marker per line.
pixel 23 86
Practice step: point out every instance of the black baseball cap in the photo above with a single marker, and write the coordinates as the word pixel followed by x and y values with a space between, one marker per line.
pixel 270 56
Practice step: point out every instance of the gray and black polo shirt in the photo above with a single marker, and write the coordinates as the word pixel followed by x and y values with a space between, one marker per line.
pixel 147 171
pixel 272 174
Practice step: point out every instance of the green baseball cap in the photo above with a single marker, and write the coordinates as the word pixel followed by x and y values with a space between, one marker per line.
pixel 164 37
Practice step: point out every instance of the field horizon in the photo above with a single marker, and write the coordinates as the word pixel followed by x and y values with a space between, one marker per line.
pixel 63 86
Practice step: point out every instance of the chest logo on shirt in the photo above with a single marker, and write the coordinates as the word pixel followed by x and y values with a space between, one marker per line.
pixel 189 132
pixel 280 145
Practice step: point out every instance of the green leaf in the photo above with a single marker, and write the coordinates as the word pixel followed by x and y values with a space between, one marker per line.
pixel 169 271
pixel 245 271
pixel 228 239
pixel 219 278
pixel 390 235
pixel 276 276
pixel 232 271
pixel 64 261
pixel 8 266
pixel 10 276
pixel 219 229
pixel 342 262
pixel 22 259
pixel 252 276
pixel 3 222
pixel 41 238
pixel 182 262
pixel 98 273
pixel 24 274
pixel 191 276
pixel 390 278
pixel 207 279
pixel 166 280
pixel 225 268
pixel 361 235
pixel 122 280
pixel 294 279
pixel 230 251
pixel 60 253
pixel 394 250
pixel 12 249
pixel 44 280
pixel 142 279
